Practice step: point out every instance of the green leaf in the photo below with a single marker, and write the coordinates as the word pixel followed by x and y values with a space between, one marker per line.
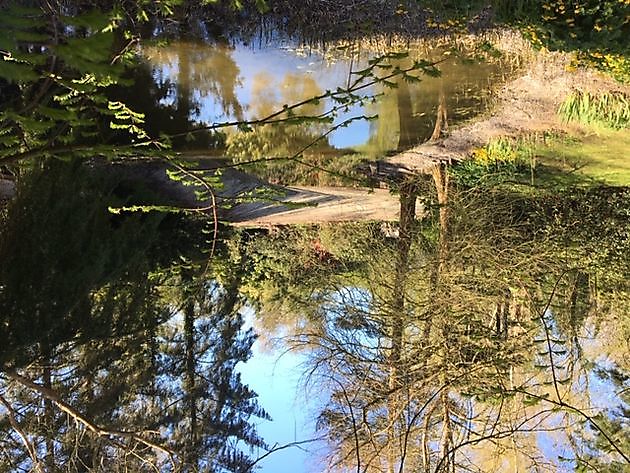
pixel 89 55
pixel 93 20
pixel 531 400
pixel 17 72
pixel 56 114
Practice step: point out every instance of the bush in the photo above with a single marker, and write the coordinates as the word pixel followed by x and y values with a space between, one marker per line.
pixel 498 161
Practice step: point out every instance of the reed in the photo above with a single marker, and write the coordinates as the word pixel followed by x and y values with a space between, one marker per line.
pixel 611 109
pixel 505 46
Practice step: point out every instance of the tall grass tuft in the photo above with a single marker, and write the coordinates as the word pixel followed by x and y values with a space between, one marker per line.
pixel 611 109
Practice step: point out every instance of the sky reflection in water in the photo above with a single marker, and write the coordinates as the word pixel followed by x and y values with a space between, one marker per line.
pixel 229 83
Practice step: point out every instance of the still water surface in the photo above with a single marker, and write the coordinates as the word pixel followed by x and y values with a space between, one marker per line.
pixel 226 83
pixel 489 334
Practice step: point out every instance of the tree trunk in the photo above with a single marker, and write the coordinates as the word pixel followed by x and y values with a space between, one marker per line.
pixel 440 179
pixel 49 416
pixel 189 382
pixel 397 317
pixel 441 120
pixel 446 442
pixel 406 122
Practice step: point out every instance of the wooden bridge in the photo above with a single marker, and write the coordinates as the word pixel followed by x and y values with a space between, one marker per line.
pixel 245 200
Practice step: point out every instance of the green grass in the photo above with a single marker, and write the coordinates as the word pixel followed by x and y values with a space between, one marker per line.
pixel 610 109
pixel 602 155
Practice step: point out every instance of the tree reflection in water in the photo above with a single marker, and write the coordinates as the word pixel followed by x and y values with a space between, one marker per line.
pixel 119 346
pixel 490 333
pixel 474 340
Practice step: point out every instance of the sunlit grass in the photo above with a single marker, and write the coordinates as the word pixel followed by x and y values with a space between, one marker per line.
pixel 611 109
pixel 598 156
pixel 603 155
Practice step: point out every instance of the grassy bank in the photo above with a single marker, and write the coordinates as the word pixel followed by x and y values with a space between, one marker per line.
pixel 600 154
pixel 592 155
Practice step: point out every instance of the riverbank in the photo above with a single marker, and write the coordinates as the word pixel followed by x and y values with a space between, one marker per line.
pixel 526 107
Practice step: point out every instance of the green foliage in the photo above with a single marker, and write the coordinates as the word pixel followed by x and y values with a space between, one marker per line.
pixel 286 268
pixel 601 454
pixel 597 30
pixel 60 221
pixel 593 22
pixel 200 380
pixel 615 64
pixel 550 160
pixel 57 83
pixel 611 109
pixel 593 224
pixel 93 296
pixel 499 161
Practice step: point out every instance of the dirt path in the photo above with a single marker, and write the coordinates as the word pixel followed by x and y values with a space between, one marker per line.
pixel 245 200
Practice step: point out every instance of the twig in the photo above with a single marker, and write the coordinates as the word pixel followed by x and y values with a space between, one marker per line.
pixel 27 443
pixel 84 420
pixel 548 337
pixel 581 413
pixel 281 447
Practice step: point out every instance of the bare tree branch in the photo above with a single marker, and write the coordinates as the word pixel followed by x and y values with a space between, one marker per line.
pixel 101 431
pixel 27 443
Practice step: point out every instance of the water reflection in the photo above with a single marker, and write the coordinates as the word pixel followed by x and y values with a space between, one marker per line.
pixel 474 340
pixel 216 83
pixel 118 345
pixel 201 74
pixel 486 332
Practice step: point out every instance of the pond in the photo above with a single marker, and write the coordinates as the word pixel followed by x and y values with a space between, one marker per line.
pixel 220 83
pixel 486 330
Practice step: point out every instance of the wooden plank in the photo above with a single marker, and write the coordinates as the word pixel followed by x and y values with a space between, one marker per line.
pixel 318 205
